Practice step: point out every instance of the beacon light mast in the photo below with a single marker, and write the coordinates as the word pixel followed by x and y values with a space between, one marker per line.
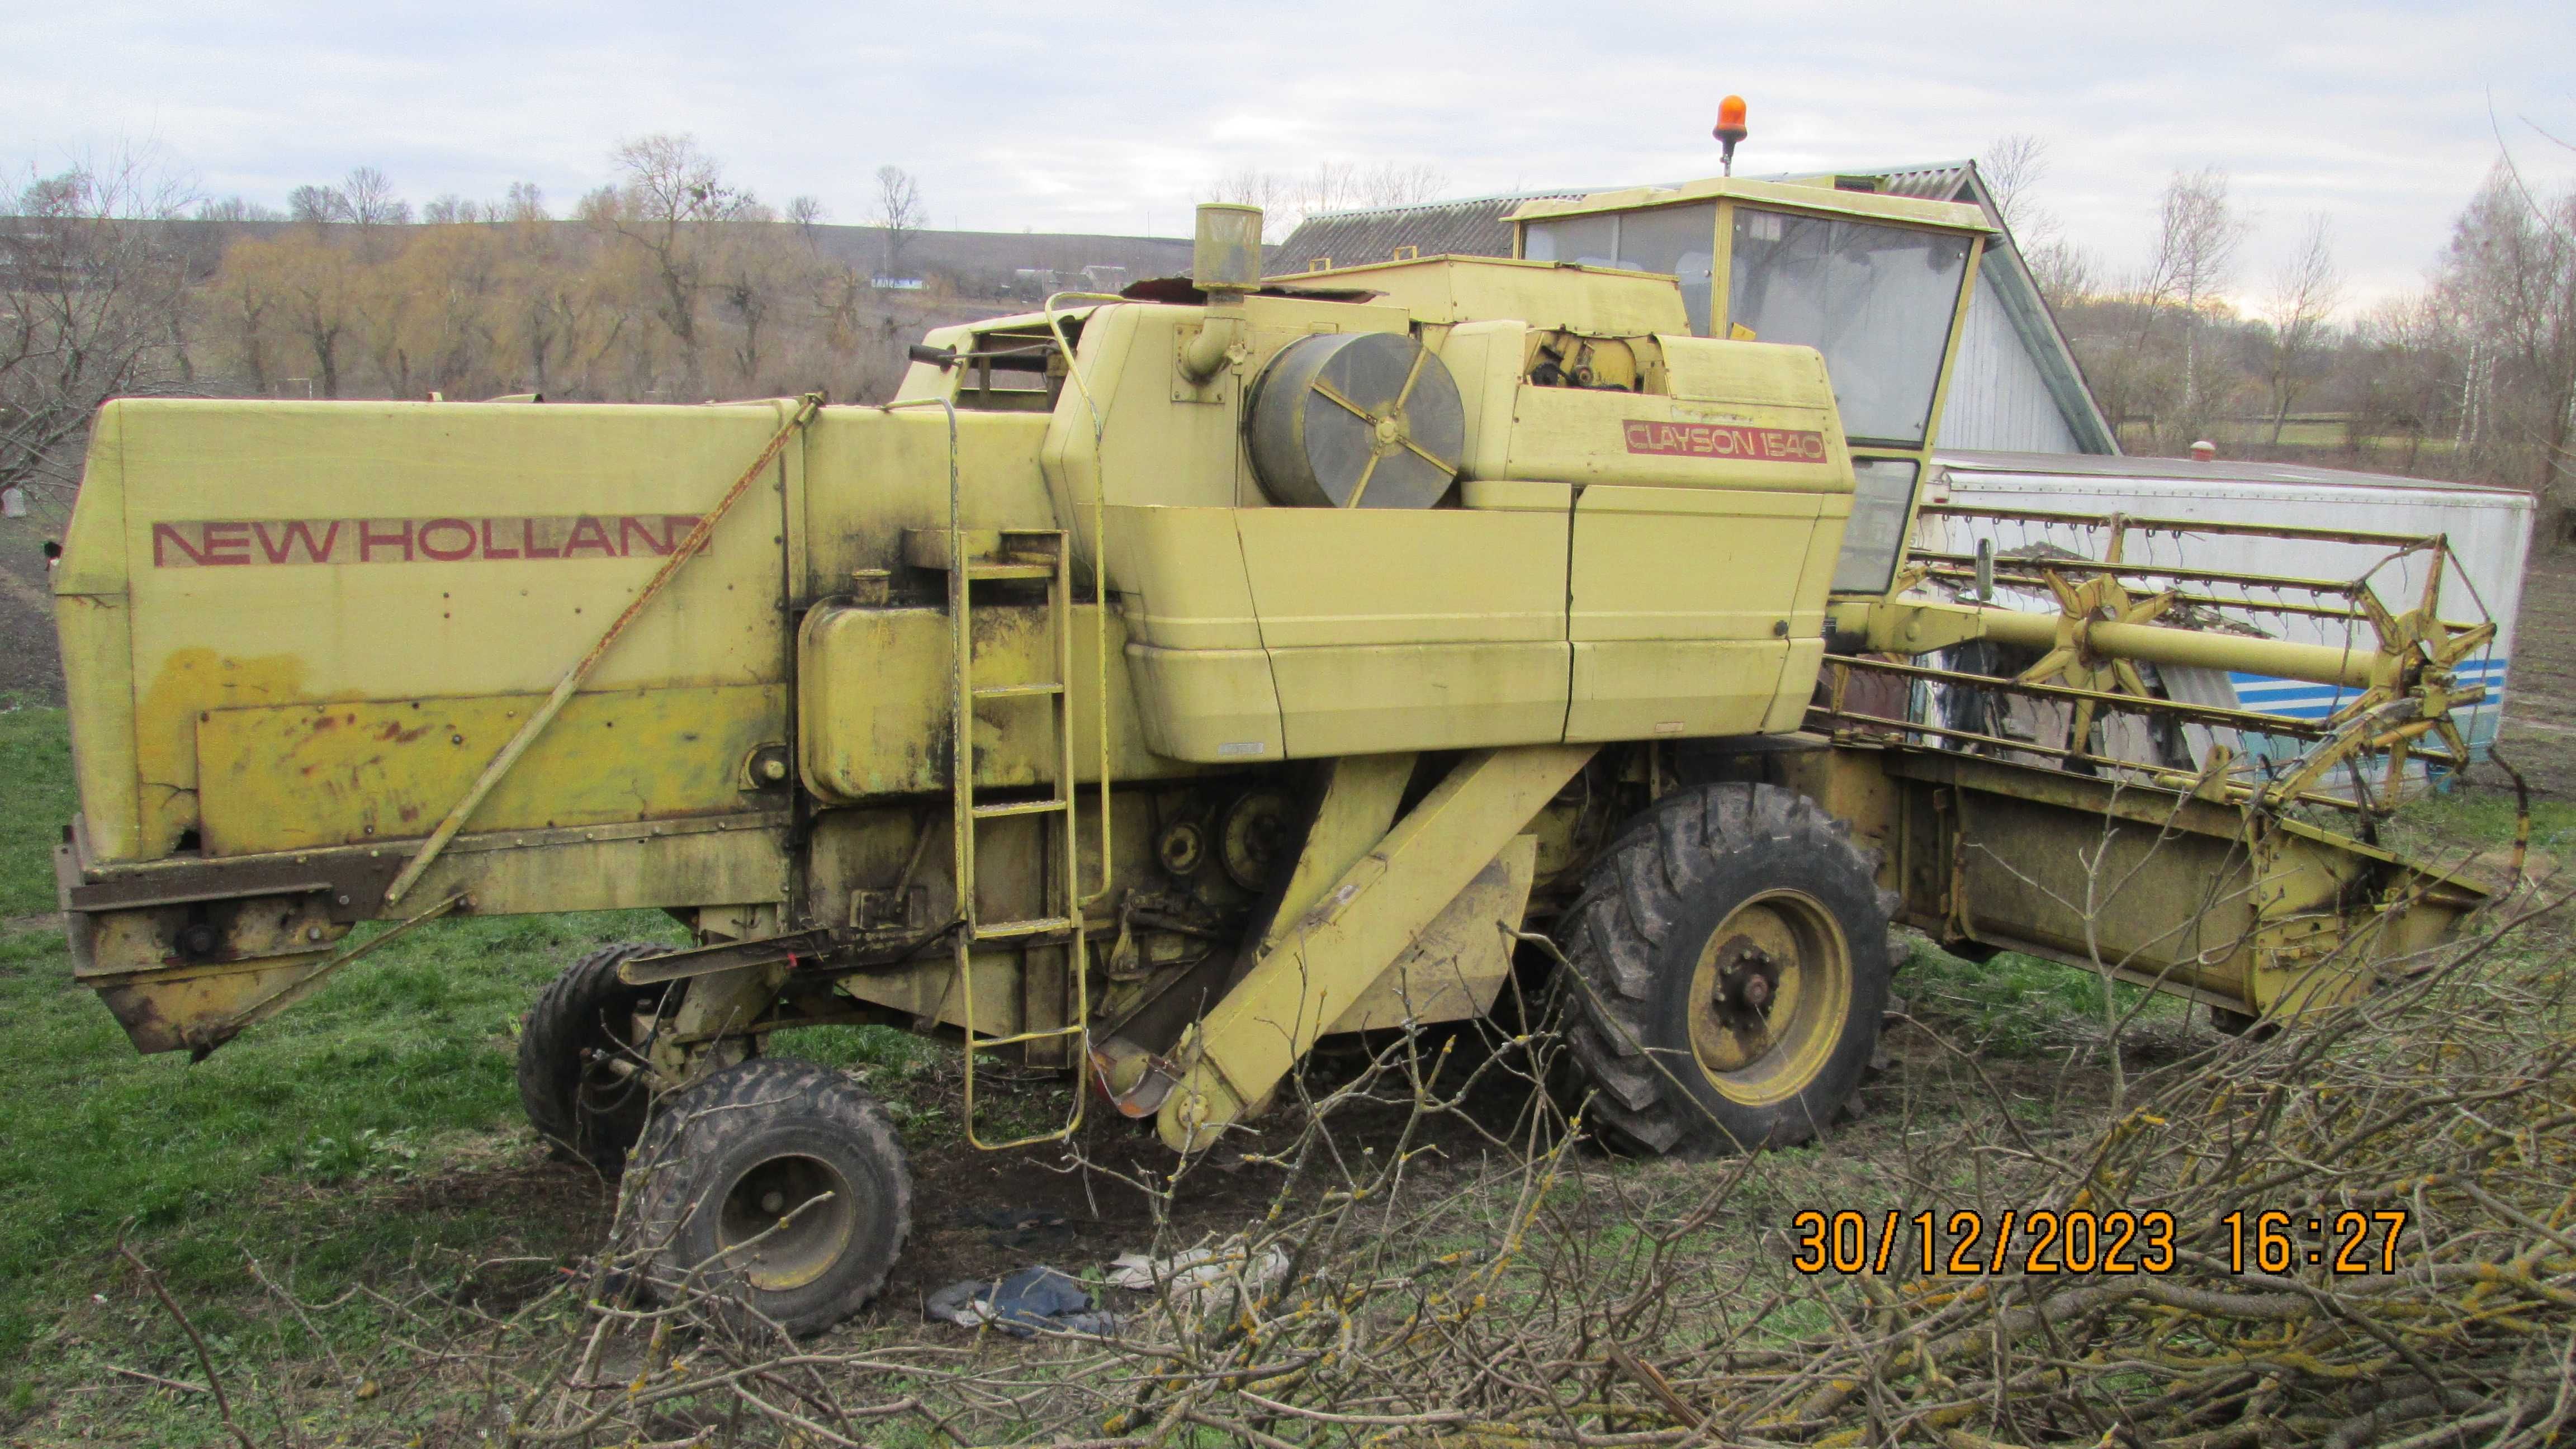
pixel 1729 129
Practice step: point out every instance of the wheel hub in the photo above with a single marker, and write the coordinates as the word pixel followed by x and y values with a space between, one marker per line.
pixel 1769 995
pixel 786 1220
pixel 1748 981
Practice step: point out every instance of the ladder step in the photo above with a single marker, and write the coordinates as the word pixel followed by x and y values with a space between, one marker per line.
pixel 1033 926
pixel 1013 691
pixel 1010 571
pixel 1021 807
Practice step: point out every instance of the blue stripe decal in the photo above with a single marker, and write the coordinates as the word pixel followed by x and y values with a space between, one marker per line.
pixel 2301 699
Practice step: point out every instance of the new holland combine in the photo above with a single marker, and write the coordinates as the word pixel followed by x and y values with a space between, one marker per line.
pixel 1166 681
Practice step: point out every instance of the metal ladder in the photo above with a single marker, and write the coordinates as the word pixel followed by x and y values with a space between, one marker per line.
pixel 1027 555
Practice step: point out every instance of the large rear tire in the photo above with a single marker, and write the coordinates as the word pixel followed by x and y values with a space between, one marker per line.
pixel 777 1186
pixel 580 1075
pixel 1731 946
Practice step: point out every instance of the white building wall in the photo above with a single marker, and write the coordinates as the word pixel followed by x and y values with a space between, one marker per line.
pixel 1998 401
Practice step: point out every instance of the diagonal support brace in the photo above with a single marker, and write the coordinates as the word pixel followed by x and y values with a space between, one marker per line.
pixel 1258 1032
pixel 687 549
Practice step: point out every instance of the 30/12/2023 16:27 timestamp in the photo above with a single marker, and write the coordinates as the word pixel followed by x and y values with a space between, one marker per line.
pixel 1968 1241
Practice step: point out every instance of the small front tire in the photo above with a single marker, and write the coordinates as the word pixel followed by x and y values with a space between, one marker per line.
pixel 776 1186
pixel 581 1074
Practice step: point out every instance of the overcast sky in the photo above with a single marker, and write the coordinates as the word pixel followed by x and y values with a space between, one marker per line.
pixel 1114 118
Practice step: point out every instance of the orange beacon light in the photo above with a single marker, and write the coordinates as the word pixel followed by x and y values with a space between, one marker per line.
pixel 1730 129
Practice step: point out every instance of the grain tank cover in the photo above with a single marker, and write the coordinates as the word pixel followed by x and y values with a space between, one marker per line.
pixel 1356 420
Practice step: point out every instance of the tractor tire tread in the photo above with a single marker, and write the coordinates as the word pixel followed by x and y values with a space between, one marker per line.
pixel 694 1127
pixel 1636 892
pixel 551 1038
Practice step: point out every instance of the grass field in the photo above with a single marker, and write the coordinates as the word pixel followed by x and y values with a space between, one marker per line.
pixel 394 1075
pixel 371 1142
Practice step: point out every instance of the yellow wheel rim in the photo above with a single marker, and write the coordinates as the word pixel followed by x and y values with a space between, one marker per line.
pixel 1769 996
pixel 774 1245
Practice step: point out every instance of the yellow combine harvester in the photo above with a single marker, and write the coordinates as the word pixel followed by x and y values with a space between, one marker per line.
pixel 1164 682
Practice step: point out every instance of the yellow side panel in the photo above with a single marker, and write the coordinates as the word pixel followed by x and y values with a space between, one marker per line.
pixel 1215 705
pixel 1342 576
pixel 1372 698
pixel 479 551
pixel 1797 686
pixel 93 620
pixel 1736 415
pixel 1644 689
pixel 875 697
pixel 1179 574
pixel 291 776
pixel 619 871
pixel 871 474
pixel 1672 563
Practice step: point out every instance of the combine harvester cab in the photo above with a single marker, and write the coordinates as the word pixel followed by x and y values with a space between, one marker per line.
pixel 1164 682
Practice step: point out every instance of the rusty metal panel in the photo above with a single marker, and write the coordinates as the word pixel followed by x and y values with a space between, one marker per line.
pixel 2158 887
pixel 873 702
pixel 285 777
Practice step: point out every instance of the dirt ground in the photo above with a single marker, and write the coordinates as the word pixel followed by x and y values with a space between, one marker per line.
pixel 31 664
pixel 981 1215
pixel 2540 686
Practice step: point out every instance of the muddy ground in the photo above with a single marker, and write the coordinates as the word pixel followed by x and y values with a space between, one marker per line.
pixel 2540 684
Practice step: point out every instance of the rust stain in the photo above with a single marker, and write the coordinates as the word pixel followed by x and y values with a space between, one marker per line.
pixel 186 684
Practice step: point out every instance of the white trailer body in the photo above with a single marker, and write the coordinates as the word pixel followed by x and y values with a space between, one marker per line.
pixel 2489 531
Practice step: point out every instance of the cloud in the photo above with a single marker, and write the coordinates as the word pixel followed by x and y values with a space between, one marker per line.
pixel 1096 118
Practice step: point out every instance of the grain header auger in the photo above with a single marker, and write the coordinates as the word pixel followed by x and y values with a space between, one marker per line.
pixel 1166 681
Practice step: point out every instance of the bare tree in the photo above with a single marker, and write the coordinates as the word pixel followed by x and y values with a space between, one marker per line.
pixel 2012 169
pixel 1286 200
pixel 2304 295
pixel 898 213
pixel 234 211
pixel 2510 279
pixel 2198 234
pixel 2398 374
pixel 2068 275
pixel 672 197
pixel 317 301
pixel 1397 183
pixel 1252 186
pixel 316 205
pixel 371 199
pixel 93 305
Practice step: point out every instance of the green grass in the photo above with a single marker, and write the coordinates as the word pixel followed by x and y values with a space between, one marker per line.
pixel 311 1142
pixel 2441 826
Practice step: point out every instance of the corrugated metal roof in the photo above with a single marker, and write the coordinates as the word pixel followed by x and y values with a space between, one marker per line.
pixel 1474 227
pixel 1940 181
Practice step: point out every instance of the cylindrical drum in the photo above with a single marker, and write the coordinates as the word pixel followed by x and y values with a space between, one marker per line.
pixel 1356 420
